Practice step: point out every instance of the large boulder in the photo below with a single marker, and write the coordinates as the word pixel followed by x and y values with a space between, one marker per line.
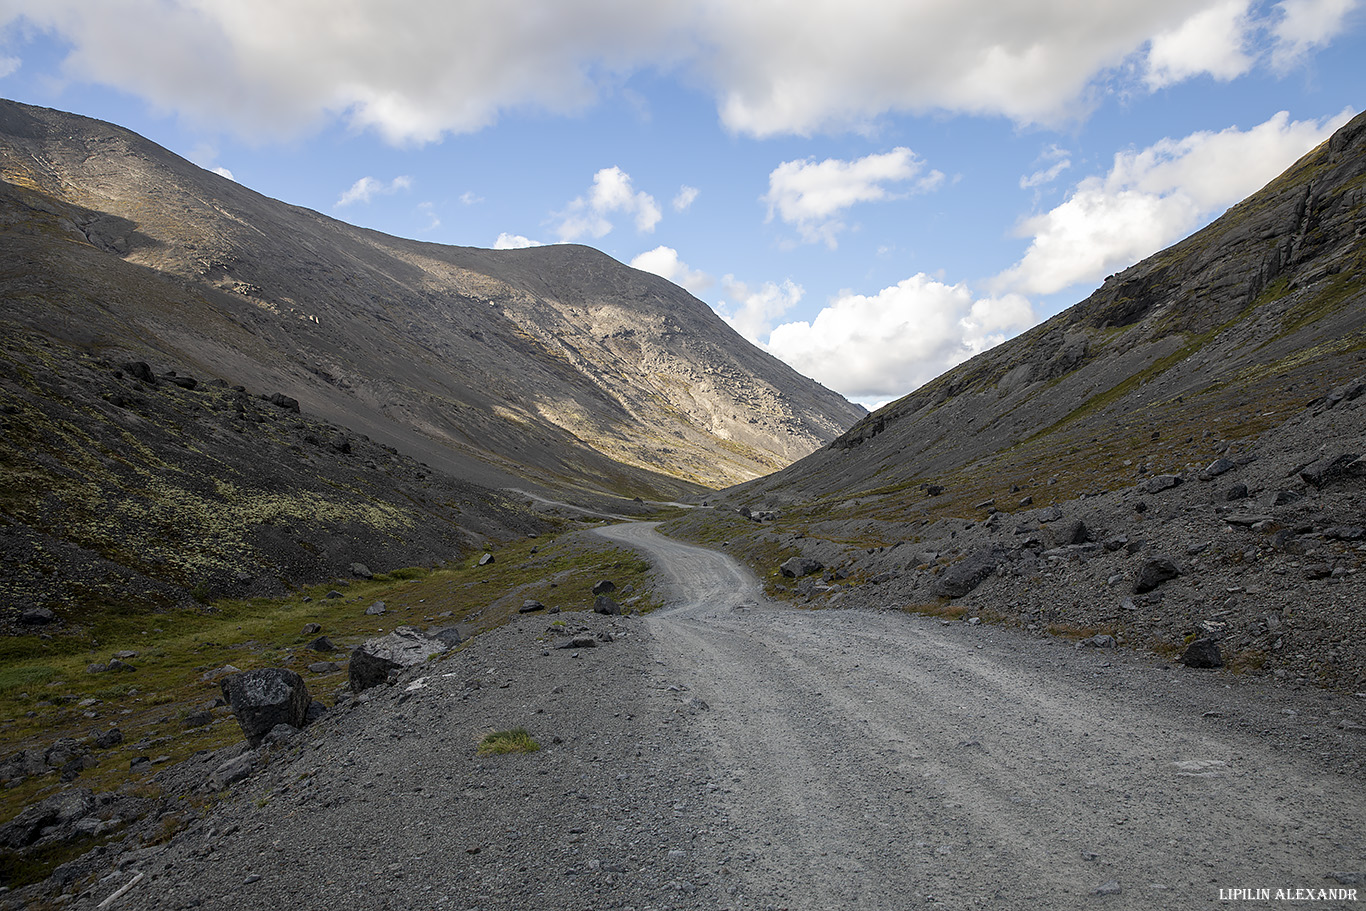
pixel 1327 471
pixel 1154 572
pixel 968 573
pixel 1161 482
pixel 1203 653
pixel 603 604
pixel 373 661
pixel 49 820
pixel 265 697
pixel 796 567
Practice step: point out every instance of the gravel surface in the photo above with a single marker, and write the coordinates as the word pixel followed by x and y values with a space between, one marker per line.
pixel 723 753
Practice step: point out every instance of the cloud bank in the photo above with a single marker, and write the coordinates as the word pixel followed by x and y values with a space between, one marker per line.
pixel 412 71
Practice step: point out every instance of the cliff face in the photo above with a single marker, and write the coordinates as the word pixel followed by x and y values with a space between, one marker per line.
pixel 1211 337
pixel 556 365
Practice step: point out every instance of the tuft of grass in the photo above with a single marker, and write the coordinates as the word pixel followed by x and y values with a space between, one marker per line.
pixel 516 740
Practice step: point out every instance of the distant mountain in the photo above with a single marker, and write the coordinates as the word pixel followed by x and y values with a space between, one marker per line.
pixel 555 366
pixel 205 392
pixel 1221 336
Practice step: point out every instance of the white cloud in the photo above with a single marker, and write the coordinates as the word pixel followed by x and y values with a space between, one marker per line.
pixel 611 193
pixel 429 209
pixel 508 241
pixel 1045 175
pixel 367 188
pixel 224 172
pixel 881 347
pixel 686 197
pixel 812 195
pixel 469 199
pixel 265 68
pixel 664 262
pixel 9 66
pixel 1213 41
pixel 1306 24
pixel 1154 197
pixel 751 311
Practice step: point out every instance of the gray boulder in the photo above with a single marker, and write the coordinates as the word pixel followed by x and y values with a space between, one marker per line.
pixel 1203 653
pixel 796 567
pixel 37 616
pixel 531 605
pixel 1328 471
pixel 373 661
pixel 486 559
pixel 321 644
pixel 359 570
pixel 968 573
pixel 1159 483
pixel 231 771
pixel 1154 572
pixel 49 820
pixel 604 604
pixel 604 587
pixel 447 634
pixel 1216 468
pixel 265 697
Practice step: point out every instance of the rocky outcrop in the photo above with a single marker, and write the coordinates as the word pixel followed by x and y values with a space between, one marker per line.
pixel 373 662
pixel 264 698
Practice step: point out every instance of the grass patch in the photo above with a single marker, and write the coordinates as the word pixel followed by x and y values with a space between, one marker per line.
pixel 43 682
pixel 18 678
pixel 516 740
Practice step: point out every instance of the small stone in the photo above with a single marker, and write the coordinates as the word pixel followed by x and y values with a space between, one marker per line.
pixel 486 559
pixel 1110 888
pixel 359 570
pixel 311 629
pixel 531 605
pixel 375 609
pixel 334 594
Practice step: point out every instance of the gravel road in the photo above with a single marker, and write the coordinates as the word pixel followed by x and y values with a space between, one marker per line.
pixel 877 760
pixel 724 753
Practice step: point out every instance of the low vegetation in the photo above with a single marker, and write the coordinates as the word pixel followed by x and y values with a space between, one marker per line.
pixel 517 740
pixel 47 690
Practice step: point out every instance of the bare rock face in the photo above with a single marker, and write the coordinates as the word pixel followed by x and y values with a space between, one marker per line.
pixel 376 659
pixel 265 697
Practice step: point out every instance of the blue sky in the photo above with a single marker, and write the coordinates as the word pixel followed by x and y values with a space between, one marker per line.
pixel 872 190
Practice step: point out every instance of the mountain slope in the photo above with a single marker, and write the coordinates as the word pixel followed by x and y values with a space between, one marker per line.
pixel 555 365
pixel 1215 337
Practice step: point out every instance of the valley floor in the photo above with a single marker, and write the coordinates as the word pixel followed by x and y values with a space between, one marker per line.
pixel 726 753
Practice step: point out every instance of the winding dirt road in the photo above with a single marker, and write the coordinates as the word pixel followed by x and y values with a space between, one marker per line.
pixel 880 760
